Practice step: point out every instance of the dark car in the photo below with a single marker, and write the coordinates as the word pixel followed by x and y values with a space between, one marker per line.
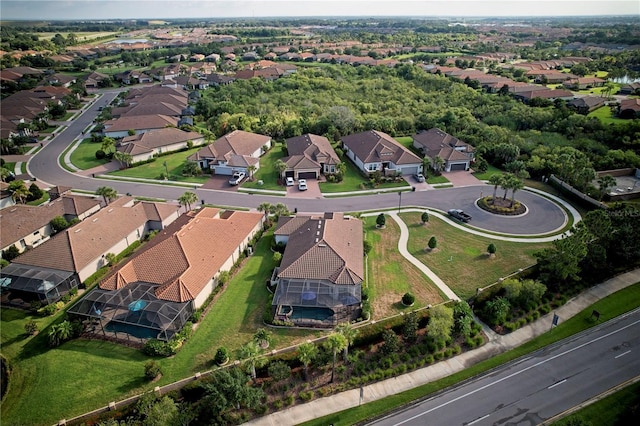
pixel 460 215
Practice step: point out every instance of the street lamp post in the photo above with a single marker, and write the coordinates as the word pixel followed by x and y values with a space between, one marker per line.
pixel 400 201
pixel 166 169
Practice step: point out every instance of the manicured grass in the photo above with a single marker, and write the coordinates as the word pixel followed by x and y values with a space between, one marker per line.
pixel 406 141
pixel 609 307
pixel 268 173
pixel 391 275
pixel 84 155
pixel 89 374
pixel 605 115
pixel 44 198
pixel 608 411
pixel 11 166
pixel 175 163
pixel 460 259
pixel 354 181
pixel 492 170
pixel 436 179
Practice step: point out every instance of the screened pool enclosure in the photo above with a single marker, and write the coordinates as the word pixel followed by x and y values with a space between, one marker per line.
pixel 31 283
pixel 131 313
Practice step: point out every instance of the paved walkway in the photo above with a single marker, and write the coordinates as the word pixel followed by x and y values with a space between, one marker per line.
pixel 496 345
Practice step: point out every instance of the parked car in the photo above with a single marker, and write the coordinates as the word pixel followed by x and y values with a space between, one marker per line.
pixel 419 177
pixel 460 215
pixel 302 184
pixel 236 178
pixel 290 181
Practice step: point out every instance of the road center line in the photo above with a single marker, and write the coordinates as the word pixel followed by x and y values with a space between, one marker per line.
pixel 477 420
pixel 557 383
pixel 444 404
pixel 622 354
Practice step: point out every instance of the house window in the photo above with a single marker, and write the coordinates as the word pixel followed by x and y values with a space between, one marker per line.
pixel 372 167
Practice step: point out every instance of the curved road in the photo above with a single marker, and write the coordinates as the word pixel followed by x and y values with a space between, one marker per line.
pixel 543 217
pixel 537 388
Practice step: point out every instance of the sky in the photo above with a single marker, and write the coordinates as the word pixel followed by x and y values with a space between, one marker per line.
pixel 163 9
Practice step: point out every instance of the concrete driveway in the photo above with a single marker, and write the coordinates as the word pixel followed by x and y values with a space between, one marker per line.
pixel 462 178
pixel 220 183
pixel 313 190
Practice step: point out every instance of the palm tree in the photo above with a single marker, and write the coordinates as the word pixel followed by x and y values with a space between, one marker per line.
pixel 19 191
pixel 249 352
pixel 506 183
pixel 605 183
pixel 107 193
pixel 281 166
pixel 265 208
pixel 262 338
pixel 251 169
pixel 279 209
pixel 516 185
pixel 123 158
pixel 437 164
pixel 107 144
pixel 307 352
pixel 335 343
pixel 496 181
pixel 187 199
pixel 350 333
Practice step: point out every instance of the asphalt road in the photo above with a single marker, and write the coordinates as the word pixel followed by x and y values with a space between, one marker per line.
pixel 538 387
pixel 543 216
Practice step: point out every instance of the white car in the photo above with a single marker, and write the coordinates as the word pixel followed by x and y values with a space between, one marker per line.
pixel 236 178
pixel 290 181
pixel 302 185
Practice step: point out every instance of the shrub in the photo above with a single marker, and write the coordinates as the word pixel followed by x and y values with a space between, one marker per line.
pixel 35 305
pixel 100 154
pixel 155 347
pixel 408 299
pixel 279 370
pixel 152 370
pixel 196 316
pixel 31 327
pixel 50 309
pixel 289 400
pixel 221 356
pixel 73 291
pixel 433 243
pixel 307 396
pixel 277 404
pixel 381 220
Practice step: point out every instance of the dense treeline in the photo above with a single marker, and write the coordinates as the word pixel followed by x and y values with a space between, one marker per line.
pixel 339 100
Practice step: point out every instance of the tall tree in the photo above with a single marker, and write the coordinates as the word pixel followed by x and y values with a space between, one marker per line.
pixel 307 352
pixel 281 166
pixel 107 193
pixel 250 353
pixel 187 199
pixel 496 181
pixel 251 169
pixel 108 144
pixel 123 158
pixel 335 342
pixel 350 333
pixel 516 185
pixel 19 191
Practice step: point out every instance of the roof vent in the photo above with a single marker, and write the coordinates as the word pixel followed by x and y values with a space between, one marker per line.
pixel 77 230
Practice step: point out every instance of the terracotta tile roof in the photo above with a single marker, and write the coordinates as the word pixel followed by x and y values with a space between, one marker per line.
pixel 140 122
pixel 78 246
pixel 325 247
pixel 190 253
pixel 374 146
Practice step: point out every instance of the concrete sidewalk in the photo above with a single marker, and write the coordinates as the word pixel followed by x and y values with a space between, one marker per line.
pixel 497 344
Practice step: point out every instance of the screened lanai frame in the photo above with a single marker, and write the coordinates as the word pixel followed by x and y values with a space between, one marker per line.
pixel 132 313
pixel 31 283
pixel 316 293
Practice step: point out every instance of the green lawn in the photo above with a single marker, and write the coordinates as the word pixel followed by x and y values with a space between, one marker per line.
pixel 87 374
pixel 354 181
pixel 608 411
pixel 84 156
pixel 431 179
pixel 390 275
pixel 268 173
pixel 614 305
pixel 460 259
pixel 174 164
pixel 605 115
pixel 43 199
pixel 492 170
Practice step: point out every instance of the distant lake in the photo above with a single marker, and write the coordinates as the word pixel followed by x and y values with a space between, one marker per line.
pixel 130 40
pixel 626 80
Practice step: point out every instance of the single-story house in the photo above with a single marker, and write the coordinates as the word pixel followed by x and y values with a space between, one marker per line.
pixel 120 127
pixel 377 151
pixel 582 83
pixel 435 143
pixel 319 281
pixel 233 152
pixel 629 108
pixel 144 146
pixel 586 104
pixel 26 227
pixel 49 271
pixel 155 293
pixel 310 156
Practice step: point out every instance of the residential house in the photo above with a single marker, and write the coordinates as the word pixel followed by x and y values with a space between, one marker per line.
pixel 582 83
pixel 121 127
pixel 550 94
pixel 629 108
pixel 166 293
pixel 26 227
pixel 51 270
pixel 373 151
pixel 144 146
pixel 435 143
pixel 586 104
pixel 96 80
pixel 233 152
pixel 310 156
pixel 319 281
